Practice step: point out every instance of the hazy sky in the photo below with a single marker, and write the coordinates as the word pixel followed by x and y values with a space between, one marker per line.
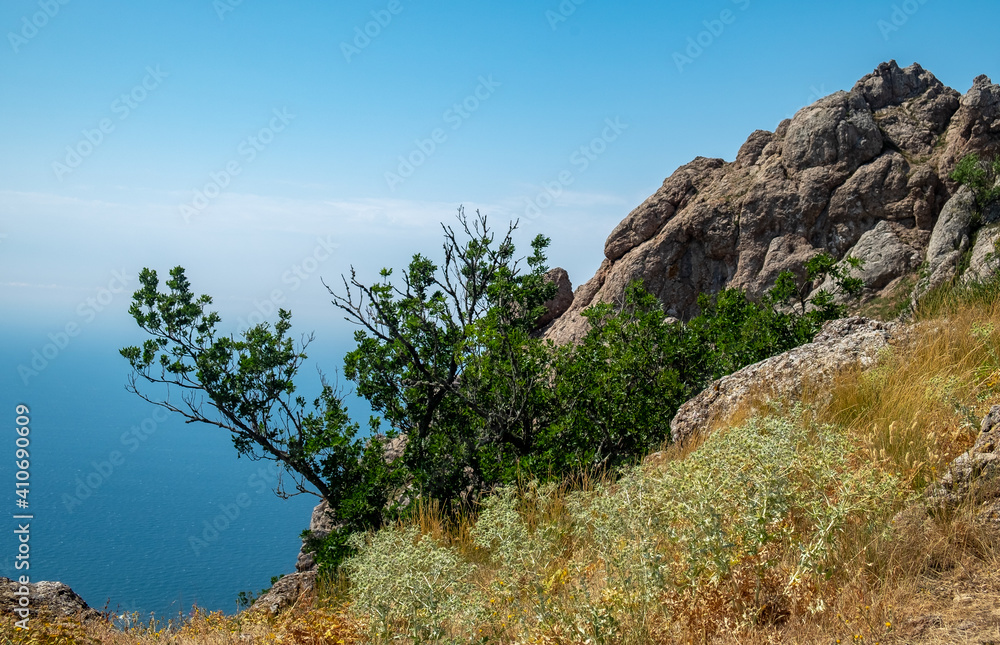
pixel 264 144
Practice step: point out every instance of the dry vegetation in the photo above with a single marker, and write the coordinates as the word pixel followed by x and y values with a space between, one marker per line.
pixel 300 626
pixel 785 527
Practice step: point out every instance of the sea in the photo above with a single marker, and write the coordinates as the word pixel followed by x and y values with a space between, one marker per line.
pixel 137 511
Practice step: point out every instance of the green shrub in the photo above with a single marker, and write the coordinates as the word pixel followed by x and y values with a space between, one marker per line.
pixel 617 389
pixel 980 175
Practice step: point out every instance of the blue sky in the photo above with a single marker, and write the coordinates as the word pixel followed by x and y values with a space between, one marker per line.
pixel 287 118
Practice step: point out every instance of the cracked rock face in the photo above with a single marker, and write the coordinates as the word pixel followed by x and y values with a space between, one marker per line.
pixel 949 240
pixel 560 302
pixel 974 476
pixel 841 344
pixel 851 171
pixel 985 256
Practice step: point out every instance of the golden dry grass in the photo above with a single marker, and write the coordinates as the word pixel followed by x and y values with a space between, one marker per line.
pixel 300 626
pixel 912 414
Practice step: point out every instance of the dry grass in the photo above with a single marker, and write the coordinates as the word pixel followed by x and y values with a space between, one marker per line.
pixel 912 415
pixel 300 626
pixel 922 403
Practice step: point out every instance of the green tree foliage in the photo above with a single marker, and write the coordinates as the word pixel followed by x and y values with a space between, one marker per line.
pixel 450 357
pixel 246 386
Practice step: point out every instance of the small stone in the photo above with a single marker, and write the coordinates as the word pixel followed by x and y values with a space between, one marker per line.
pixel 285 593
pixel 917 626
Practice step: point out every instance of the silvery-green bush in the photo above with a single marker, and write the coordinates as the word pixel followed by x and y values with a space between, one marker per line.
pixel 526 555
pixel 503 531
pixel 759 493
pixel 403 583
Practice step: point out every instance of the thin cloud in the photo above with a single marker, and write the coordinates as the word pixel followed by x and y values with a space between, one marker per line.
pixel 31 285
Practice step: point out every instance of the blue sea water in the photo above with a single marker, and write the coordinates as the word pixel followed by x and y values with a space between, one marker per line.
pixel 134 509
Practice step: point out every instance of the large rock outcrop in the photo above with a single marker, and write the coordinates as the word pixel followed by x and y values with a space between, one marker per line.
pixel 863 171
pixel 841 344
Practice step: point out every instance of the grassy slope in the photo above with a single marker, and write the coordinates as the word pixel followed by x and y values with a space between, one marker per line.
pixel 777 529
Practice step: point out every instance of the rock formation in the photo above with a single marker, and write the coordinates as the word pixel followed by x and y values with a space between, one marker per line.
pixel 862 172
pixel 560 302
pixel 974 476
pixel 841 344
pixel 48 600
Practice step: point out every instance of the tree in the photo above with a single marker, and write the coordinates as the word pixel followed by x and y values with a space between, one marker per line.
pixel 448 358
pixel 618 388
pixel 246 387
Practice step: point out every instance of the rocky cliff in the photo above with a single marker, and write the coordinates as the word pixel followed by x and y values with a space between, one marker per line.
pixel 863 172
